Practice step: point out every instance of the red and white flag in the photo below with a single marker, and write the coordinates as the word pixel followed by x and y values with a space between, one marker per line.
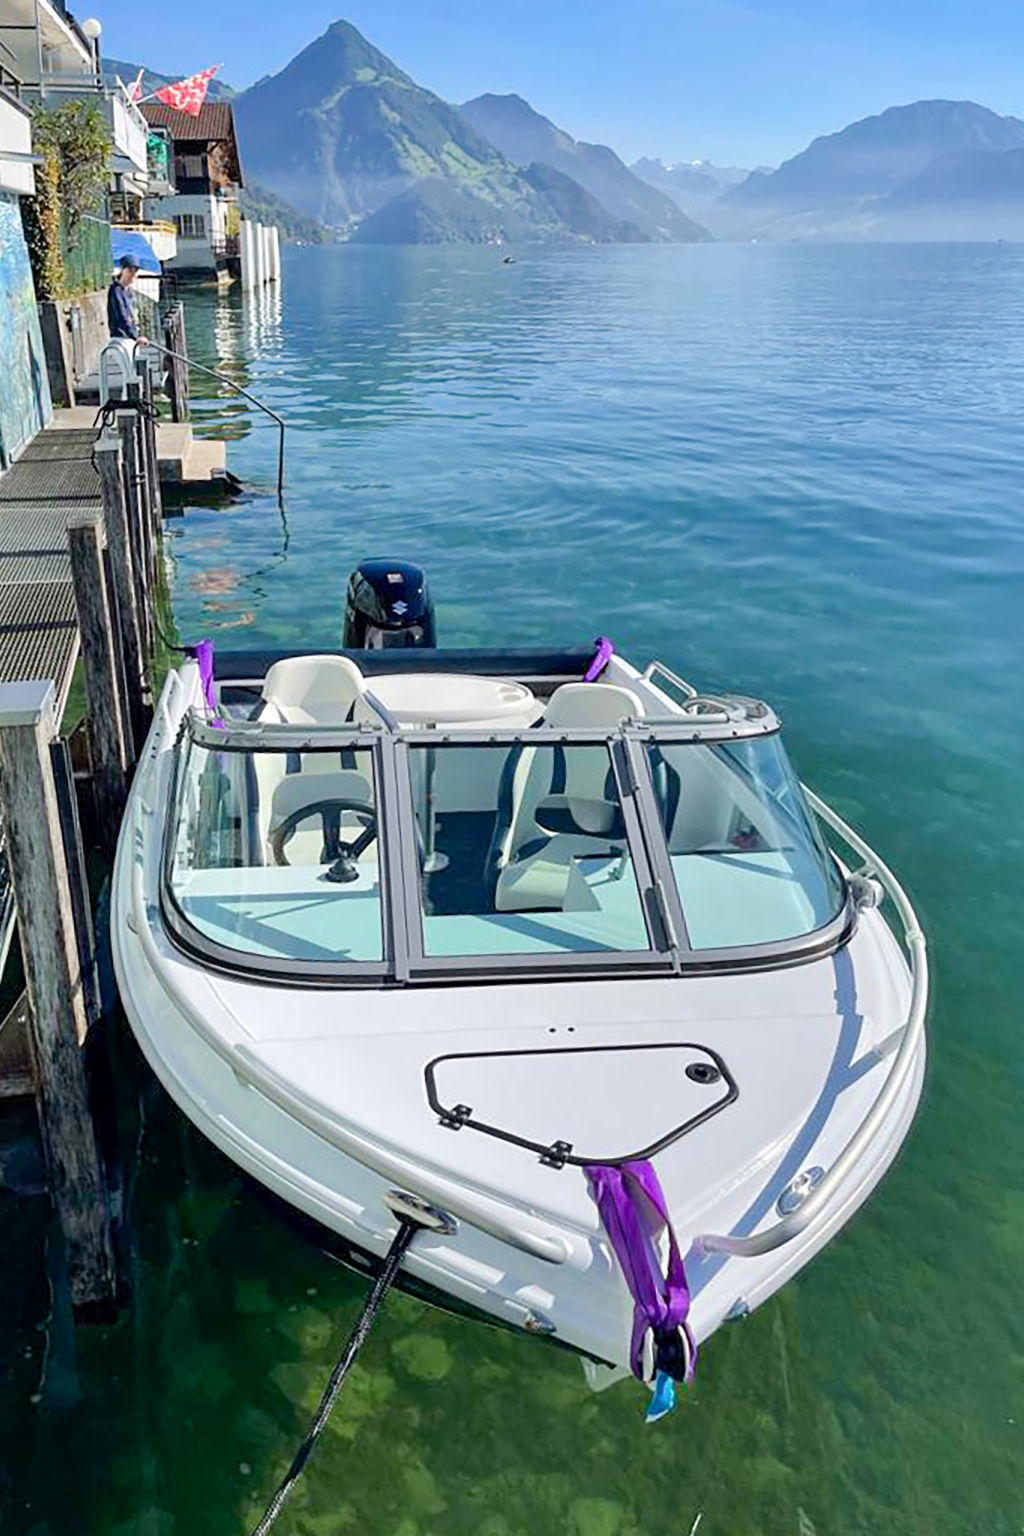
pixel 188 95
pixel 135 89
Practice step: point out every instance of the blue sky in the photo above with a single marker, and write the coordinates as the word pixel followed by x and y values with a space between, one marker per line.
pixel 737 81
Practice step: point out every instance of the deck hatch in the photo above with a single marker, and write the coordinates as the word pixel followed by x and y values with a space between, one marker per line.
pixel 555 1102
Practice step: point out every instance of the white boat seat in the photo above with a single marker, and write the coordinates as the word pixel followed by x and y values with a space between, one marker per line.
pixel 308 690
pixel 315 690
pixel 559 805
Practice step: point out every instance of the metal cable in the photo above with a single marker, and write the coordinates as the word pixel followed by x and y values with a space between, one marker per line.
pixel 403 1237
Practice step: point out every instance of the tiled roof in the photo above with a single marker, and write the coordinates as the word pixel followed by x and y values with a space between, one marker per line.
pixel 214 121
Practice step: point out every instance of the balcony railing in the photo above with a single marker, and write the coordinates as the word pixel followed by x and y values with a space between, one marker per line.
pixel 9 81
pixel 193 186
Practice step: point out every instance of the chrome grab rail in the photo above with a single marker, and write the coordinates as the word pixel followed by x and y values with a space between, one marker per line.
pixel 225 379
pixel 912 1034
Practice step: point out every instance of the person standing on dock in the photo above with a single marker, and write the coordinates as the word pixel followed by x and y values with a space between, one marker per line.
pixel 120 309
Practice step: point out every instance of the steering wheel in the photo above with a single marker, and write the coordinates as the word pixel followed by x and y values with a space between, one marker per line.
pixel 341 856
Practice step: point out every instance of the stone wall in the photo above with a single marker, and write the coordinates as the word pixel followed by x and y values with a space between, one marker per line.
pixel 24 391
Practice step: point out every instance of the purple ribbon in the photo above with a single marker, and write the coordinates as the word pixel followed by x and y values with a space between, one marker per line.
pixel 602 656
pixel 203 653
pixel 634 1214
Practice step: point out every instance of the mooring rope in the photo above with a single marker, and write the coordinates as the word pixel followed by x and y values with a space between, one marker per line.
pixel 403 1237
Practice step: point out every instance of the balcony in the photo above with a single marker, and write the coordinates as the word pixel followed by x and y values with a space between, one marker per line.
pixel 43 43
pixel 193 186
pixel 129 131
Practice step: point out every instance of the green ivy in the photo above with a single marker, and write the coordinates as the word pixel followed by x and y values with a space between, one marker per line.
pixel 70 184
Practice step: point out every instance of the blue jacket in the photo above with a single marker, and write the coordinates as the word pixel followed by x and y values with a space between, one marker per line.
pixel 120 313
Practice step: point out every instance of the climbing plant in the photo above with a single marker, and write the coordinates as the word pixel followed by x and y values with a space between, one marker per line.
pixel 74 142
pixel 41 217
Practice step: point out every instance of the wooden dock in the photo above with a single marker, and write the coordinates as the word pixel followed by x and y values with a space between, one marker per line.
pixel 80 519
pixel 51 483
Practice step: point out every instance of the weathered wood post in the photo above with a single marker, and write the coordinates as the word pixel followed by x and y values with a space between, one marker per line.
pixel 174 340
pixel 129 426
pixel 145 372
pixel 107 457
pixel 102 675
pixel 54 982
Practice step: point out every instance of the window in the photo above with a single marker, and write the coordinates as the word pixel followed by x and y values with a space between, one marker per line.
pixel 277 854
pixel 190 167
pixel 748 860
pixel 523 850
pixel 190 226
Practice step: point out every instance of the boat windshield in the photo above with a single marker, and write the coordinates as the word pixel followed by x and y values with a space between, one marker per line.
pixel 526 851
pixel 401 856
pixel 747 858
pixel 277 853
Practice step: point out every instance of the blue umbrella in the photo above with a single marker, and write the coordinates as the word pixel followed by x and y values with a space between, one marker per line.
pixel 125 242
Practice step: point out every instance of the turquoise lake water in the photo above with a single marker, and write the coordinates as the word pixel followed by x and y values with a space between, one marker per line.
pixel 795 471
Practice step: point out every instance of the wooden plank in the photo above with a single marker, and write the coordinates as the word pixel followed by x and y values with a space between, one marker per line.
pixel 54 983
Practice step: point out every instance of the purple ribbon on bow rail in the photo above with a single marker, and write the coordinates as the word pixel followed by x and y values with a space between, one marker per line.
pixel 634 1214
pixel 602 656
pixel 203 653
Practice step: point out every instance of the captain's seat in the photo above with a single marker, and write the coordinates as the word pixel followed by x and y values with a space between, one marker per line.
pixel 315 690
pixel 308 690
pixel 558 805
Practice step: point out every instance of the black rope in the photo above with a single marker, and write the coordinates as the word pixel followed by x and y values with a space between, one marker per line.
pixel 109 409
pixel 403 1237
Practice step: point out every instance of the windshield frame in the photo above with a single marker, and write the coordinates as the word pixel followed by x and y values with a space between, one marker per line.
pixel 240 738
pixel 404 959
pixel 764 954
pixel 660 954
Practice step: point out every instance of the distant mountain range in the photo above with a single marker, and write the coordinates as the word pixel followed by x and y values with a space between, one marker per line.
pixel 352 140
pixel 945 170
pixel 696 185
pixel 525 137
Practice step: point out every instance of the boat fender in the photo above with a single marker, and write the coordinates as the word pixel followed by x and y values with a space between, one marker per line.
pixel 634 1214
pixel 601 657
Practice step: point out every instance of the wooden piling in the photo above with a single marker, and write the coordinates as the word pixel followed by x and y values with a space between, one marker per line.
pixel 107 733
pixel 151 457
pixel 107 457
pixel 54 982
pixel 140 533
pixel 174 340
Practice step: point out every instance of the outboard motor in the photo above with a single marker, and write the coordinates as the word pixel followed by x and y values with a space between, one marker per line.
pixel 388 606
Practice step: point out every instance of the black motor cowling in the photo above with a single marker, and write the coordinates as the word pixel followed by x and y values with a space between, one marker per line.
pixel 388 606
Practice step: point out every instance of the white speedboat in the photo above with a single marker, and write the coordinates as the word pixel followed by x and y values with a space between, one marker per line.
pixel 410 929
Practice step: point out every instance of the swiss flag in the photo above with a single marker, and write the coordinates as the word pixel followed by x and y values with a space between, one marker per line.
pixel 188 95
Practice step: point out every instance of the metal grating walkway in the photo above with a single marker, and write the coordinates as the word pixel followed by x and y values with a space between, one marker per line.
pixel 53 481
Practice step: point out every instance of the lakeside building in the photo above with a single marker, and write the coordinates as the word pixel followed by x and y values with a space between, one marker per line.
pixel 48 59
pixel 53 59
pixel 202 199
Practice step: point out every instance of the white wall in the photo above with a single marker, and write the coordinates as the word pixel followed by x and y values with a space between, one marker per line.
pixel 192 253
pixel 15 138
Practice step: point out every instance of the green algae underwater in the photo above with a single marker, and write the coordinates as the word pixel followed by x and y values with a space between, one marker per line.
pixel 793 471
